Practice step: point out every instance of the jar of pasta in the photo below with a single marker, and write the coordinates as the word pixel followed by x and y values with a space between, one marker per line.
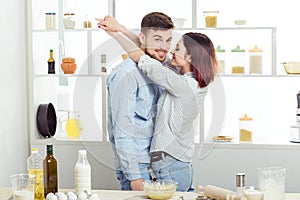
pixel 245 129
pixel 238 60
pixel 211 18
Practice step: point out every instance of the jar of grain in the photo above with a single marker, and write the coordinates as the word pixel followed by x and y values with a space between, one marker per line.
pixel 238 60
pixel 50 20
pixel 246 129
pixel 211 18
pixel 255 60
pixel 221 57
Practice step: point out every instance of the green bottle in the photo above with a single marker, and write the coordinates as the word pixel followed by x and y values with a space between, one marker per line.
pixel 50 170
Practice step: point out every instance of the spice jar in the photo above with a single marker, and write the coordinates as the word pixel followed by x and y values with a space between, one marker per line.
pixel 68 65
pixel 221 59
pixel 211 18
pixel 87 22
pixel 50 20
pixel 238 60
pixel 69 20
pixel 245 129
pixel 255 60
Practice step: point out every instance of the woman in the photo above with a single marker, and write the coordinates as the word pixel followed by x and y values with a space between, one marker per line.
pixel 172 145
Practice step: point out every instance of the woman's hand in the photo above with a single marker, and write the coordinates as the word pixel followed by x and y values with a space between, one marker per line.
pixel 110 24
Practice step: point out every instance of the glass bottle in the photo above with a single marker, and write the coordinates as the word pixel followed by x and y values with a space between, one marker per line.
pixel 51 63
pixel 82 173
pixel 35 167
pixel 50 169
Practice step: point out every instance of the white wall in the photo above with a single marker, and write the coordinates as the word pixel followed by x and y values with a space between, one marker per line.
pixel 13 114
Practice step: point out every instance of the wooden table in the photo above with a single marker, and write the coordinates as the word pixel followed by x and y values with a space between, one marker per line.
pixel 6 193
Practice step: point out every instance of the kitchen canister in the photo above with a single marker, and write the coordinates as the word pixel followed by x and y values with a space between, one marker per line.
pixel 211 18
pixel 68 65
pixel 245 129
pixel 50 20
pixel 238 60
pixel 255 60
pixel 221 59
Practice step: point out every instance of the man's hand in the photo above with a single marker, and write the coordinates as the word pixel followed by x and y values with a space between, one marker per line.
pixel 137 185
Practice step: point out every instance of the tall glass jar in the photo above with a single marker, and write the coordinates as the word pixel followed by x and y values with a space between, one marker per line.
pixel 245 129
pixel 238 60
pixel 221 59
pixel 255 60
pixel 50 20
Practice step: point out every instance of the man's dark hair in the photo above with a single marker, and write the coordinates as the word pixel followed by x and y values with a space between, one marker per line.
pixel 156 21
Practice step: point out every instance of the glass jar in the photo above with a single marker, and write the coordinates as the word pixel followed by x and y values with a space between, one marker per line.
pixel 255 60
pixel 50 21
pixel 87 22
pixel 69 20
pixel 245 129
pixel 238 60
pixel 211 18
pixel 221 59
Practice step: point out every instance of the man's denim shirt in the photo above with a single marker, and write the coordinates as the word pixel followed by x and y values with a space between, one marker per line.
pixel 131 106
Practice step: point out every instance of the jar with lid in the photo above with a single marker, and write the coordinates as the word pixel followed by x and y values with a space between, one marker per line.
pixel 211 18
pixel 69 21
pixel 221 59
pixel 50 20
pixel 68 65
pixel 255 60
pixel 238 60
pixel 245 129
pixel 87 22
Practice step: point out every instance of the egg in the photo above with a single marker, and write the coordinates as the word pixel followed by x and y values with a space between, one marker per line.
pixel 71 193
pixel 53 197
pixel 72 196
pixel 94 197
pixel 49 195
pixel 82 196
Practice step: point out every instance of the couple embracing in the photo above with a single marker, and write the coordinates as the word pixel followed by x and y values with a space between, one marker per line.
pixel 153 101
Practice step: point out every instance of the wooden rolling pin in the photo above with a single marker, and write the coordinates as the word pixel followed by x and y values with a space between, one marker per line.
pixel 218 193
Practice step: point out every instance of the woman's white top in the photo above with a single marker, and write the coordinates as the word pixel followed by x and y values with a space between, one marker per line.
pixel 178 108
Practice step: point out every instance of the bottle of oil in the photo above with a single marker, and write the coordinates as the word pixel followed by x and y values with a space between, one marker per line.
pixel 51 63
pixel 50 169
pixel 35 167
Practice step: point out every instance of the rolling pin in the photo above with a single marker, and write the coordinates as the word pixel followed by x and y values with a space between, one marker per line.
pixel 217 192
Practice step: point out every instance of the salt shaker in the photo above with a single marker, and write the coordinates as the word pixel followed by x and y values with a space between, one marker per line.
pixel 240 184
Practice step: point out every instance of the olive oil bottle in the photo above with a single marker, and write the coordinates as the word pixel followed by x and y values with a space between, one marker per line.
pixel 35 167
pixel 50 170
pixel 51 63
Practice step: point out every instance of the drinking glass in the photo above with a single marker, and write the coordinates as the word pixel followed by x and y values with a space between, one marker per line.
pixel 22 186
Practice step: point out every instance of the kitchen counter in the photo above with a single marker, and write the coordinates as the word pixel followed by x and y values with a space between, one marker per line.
pixel 5 193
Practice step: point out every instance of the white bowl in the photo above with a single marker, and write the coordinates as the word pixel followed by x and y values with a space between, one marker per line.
pixel 179 22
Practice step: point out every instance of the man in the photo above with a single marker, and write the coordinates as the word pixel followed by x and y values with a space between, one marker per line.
pixel 131 103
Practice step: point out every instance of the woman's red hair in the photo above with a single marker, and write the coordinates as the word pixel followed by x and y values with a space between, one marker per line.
pixel 203 57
